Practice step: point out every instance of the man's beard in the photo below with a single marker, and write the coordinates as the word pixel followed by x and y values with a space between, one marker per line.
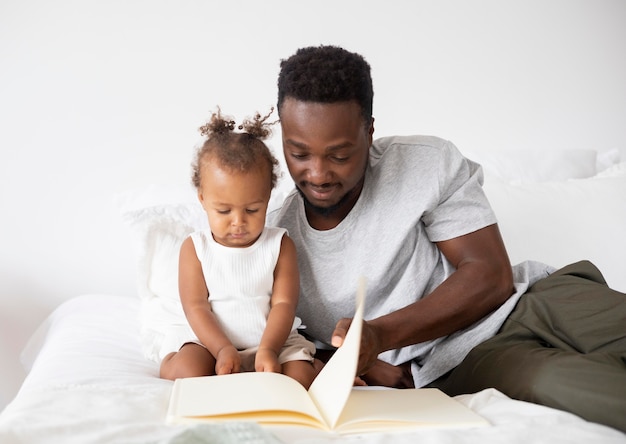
pixel 324 211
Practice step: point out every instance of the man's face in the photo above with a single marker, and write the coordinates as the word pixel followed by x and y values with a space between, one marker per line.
pixel 326 148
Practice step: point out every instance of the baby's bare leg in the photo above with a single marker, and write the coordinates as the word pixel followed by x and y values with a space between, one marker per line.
pixel 191 360
pixel 302 371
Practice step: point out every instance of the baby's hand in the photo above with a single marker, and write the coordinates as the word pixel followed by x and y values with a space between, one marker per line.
pixel 227 361
pixel 266 360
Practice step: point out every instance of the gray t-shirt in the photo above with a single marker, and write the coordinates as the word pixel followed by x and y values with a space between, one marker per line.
pixel 418 190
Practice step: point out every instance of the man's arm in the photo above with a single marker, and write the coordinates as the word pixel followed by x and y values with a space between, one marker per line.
pixel 482 281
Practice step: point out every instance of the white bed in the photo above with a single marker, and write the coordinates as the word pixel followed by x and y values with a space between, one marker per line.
pixel 89 382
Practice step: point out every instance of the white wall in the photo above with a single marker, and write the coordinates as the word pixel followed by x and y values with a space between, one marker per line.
pixel 97 97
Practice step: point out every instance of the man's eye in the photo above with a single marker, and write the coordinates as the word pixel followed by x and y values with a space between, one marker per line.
pixel 340 159
pixel 298 156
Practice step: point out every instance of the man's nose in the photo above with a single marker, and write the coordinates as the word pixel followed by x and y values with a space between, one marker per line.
pixel 318 171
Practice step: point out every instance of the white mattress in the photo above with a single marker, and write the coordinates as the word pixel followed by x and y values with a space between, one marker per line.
pixel 89 383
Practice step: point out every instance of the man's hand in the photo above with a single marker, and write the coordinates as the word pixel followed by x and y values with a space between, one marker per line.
pixel 371 370
pixel 370 346
pixel 227 361
pixel 387 375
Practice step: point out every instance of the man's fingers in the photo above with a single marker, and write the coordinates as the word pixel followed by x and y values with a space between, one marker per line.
pixel 340 331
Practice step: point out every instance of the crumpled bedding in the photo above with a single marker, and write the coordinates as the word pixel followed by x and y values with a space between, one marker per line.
pixel 88 382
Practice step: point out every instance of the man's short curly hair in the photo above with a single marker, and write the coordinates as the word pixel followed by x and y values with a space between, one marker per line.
pixel 326 74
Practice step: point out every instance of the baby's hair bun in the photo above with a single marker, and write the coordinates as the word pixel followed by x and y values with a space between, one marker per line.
pixel 217 124
pixel 258 127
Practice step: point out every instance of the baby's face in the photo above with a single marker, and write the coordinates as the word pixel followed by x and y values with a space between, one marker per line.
pixel 235 203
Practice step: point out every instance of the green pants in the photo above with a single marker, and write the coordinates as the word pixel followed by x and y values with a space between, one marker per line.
pixel 564 346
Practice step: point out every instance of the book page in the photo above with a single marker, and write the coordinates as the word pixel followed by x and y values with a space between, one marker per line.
pixel 332 386
pixel 375 409
pixel 240 396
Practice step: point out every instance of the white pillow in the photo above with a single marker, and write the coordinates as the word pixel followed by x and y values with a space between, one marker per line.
pixel 558 223
pixel 618 169
pixel 607 159
pixel 157 233
pixel 529 166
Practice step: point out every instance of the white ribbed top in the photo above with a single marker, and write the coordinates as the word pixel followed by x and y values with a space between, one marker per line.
pixel 240 282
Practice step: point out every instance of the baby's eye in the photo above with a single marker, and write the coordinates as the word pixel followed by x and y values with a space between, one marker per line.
pixel 252 210
pixel 223 211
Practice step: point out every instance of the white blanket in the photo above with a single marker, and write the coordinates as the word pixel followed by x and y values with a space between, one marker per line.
pixel 89 383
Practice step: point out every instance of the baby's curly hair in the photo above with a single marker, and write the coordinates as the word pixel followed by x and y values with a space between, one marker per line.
pixel 237 151
pixel 326 74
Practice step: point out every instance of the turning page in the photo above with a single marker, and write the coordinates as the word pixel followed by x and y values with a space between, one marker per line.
pixel 332 386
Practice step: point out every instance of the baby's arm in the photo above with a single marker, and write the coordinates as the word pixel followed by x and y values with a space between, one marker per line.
pixel 194 297
pixel 283 308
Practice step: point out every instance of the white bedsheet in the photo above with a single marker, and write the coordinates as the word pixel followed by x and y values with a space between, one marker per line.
pixel 89 383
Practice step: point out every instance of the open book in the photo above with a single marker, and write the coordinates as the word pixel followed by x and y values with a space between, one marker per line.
pixel 331 403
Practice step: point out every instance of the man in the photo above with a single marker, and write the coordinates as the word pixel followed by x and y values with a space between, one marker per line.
pixel 410 215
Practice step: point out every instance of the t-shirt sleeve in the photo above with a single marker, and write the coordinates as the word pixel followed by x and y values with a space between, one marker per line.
pixel 462 206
